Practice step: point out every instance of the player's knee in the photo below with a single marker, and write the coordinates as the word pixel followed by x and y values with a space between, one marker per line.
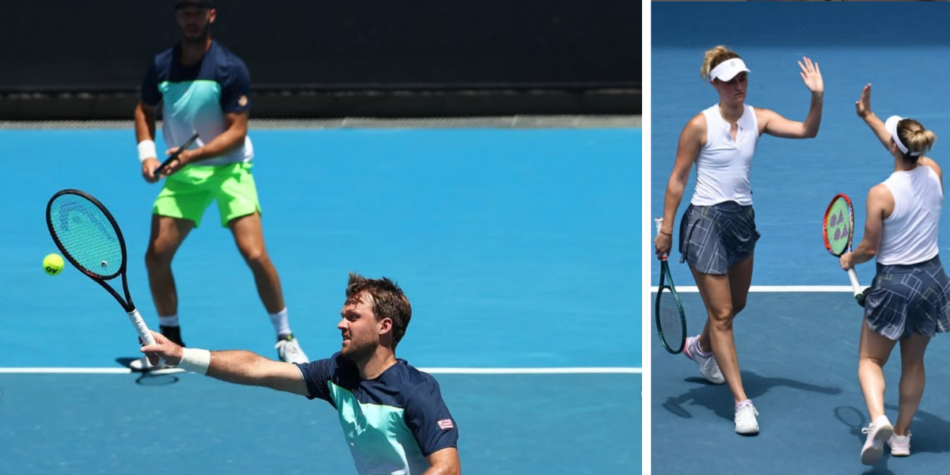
pixel 737 306
pixel 722 318
pixel 255 256
pixel 158 256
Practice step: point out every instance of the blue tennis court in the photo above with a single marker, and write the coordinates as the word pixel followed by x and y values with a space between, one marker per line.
pixel 798 336
pixel 507 241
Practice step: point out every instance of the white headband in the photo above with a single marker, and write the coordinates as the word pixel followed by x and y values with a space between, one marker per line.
pixel 728 69
pixel 891 126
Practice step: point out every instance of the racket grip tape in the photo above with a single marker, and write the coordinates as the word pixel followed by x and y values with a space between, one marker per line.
pixel 139 323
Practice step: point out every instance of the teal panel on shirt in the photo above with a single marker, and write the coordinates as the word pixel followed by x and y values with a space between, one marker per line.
pixel 377 435
pixel 192 102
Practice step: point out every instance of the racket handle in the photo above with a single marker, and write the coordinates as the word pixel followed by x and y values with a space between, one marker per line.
pixel 139 323
pixel 855 286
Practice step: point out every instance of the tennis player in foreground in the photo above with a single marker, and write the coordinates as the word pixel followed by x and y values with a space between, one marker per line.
pixel 717 236
pixel 909 299
pixel 393 415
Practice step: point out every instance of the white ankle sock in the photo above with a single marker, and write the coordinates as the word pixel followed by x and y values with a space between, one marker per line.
pixel 279 319
pixel 170 321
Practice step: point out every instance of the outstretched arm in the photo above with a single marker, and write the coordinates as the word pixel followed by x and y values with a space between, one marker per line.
pixel 232 366
pixel 863 108
pixel 774 124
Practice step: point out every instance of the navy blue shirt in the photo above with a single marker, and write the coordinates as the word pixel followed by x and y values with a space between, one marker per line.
pixel 195 98
pixel 391 423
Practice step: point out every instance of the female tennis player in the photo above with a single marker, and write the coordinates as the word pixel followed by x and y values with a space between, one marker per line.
pixel 909 299
pixel 718 235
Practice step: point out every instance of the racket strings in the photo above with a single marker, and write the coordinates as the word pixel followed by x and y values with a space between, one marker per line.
pixel 838 226
pixel 670 321
pixel 86 235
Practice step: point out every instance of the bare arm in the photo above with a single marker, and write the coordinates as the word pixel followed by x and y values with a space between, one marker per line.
pixel 232 138
pixel 774 124
pixel 144 122
pixel 880 204
pixel 444 462
pixel 863 108
pixel 690 142
pixel 232 366
pixel 250 369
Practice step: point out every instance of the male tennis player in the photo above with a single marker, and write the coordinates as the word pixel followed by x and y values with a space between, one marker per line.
pixel 393 415
pixel 718 233
pixel 909 299
pixel 202 87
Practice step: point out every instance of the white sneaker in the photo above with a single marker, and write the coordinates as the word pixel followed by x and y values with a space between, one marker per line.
pixel 708 365
pixel 878 431
pixel 899 444
pixel 290 351
pixel 746 423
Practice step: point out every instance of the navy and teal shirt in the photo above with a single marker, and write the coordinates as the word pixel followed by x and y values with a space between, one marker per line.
pixel 195 98
pixel 391 423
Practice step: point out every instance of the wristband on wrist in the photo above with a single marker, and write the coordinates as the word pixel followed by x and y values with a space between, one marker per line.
pixel 147 150
pixel 195 360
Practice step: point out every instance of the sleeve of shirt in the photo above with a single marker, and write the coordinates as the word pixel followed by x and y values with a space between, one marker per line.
pixel 236 88
pixel 150 93
pixel 317 374
pixel 429 419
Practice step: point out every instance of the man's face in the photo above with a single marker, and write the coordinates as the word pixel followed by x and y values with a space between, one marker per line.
pixel 195 22
pixel 359 328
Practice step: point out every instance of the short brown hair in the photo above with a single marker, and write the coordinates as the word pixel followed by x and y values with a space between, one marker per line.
pixel 388 301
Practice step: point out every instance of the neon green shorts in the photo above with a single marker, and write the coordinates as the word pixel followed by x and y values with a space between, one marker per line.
pixel 188 192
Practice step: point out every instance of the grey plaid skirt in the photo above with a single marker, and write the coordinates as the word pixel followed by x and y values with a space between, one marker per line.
pixel 714 238
pixel 909 299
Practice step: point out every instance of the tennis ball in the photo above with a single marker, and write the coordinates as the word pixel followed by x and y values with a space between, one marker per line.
pixel 53 264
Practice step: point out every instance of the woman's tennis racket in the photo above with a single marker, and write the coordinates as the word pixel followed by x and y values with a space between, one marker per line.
pixel 176 154
pixel 90 239
pixel 838 232
pixel 670 317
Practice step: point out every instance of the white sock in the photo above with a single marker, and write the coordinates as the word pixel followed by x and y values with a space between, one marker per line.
pixel 281 326
pixel 171 321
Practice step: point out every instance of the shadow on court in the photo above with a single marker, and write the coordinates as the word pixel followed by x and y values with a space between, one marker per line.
pixel 713 397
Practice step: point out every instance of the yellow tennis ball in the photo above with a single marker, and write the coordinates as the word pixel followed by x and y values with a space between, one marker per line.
pixel 53 264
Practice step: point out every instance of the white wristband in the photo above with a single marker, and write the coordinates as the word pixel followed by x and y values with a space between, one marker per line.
pixel 147 150
pixel 195 360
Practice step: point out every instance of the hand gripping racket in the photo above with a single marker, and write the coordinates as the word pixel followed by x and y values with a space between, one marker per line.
pixel 670 317
pixel 176 154
pixel 90 239
pixel 838 232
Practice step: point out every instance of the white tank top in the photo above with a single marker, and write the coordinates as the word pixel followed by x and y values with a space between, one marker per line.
pixel 910 232
pixel 723 164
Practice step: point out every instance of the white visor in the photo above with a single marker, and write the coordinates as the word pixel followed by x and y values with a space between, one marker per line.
pixel 728 69
pixel 891 126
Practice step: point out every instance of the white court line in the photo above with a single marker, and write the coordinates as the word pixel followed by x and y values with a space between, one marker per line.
pixel 776 288
pixel 427 370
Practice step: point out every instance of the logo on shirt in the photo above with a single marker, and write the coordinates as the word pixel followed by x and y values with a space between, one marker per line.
pixel 242 101
pixel 446 424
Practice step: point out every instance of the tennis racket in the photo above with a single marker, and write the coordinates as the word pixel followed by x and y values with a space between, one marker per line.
pixel 90 239
pixel 838 232
pixel 176 154
pixel 670 317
